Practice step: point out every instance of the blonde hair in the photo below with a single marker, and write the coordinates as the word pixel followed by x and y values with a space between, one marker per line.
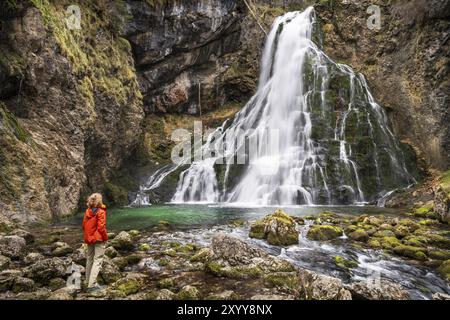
pixel 94 201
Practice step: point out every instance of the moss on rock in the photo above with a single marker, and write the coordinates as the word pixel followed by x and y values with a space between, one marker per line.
pixel 324 232
pixel 278 228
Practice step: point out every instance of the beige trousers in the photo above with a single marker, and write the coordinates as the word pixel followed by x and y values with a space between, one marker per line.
pixel 94 258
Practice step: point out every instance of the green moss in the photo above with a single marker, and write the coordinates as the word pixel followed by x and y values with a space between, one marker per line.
pixel 144 247
pixel 444 269
pixel 165 283
pixel 9 120
pixel 439 254
pixel 374 244
pixel 345 263
pixel 417 253
pixel 324 232
pixel 359 235
pixel 127 286
pixel 116 194
pixel 283 280
pixel 423 210
pixel 201 256
pixel 389 243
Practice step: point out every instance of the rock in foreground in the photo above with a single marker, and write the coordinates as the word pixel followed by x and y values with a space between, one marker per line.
pixel 278 228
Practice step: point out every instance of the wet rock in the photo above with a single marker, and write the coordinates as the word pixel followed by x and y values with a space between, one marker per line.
pixel 188 292
pixel 110 252
pixel 123 241
pixel 384 290
pixel 4 262
pixel 44 270
pixel 324 232
pixel 345 263
pixel 278 228
pixel 60 249
pixel 314 286
pixel 33 257
pixel 12 246
pixel 22 284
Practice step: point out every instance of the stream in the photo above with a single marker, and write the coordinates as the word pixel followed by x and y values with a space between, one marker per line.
pixel 198 223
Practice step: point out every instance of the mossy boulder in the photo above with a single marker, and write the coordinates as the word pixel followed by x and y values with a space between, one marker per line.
pixel 401 231
pixel 324 232
pixel 278 229
pixel 439 254
pixel 444 269
pixel 374 244
pixel 417 253
pixel 389 243
pixel 424 211
pixel 413 226
pixel 127 286
pixel 384 233
pixel 359 235
pixel 283 280
pixel 144 247
pixel 123 241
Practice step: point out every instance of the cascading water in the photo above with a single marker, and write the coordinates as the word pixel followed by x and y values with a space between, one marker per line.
pixel 317 134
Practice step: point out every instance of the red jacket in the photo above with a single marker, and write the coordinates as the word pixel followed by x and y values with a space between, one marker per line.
pixel 94 226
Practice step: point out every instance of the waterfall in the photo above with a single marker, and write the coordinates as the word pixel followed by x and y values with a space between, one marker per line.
pixel 316 132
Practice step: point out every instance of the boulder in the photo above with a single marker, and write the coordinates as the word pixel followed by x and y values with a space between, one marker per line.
pixel 44 270
pixel 60 249
pixel 232 257
pixel 359 235
pixel 7 278
pixel 29 238
pixel 123 241
pixel 127 285
pixel 314 286
pixel 22 284
pixel 12 246
pixel 417 253
pixel 324 232
pixel 278 228
pixel 109 273
pixel 383 290
pixel 33 257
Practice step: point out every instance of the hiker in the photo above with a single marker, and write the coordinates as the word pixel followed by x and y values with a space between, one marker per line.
pixel 95 236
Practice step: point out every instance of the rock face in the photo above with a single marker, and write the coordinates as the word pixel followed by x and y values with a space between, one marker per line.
pixel 278 228
pixel 63 105
pixel 416 94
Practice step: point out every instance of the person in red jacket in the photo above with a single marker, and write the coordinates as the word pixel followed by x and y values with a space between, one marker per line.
pixel 95 236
